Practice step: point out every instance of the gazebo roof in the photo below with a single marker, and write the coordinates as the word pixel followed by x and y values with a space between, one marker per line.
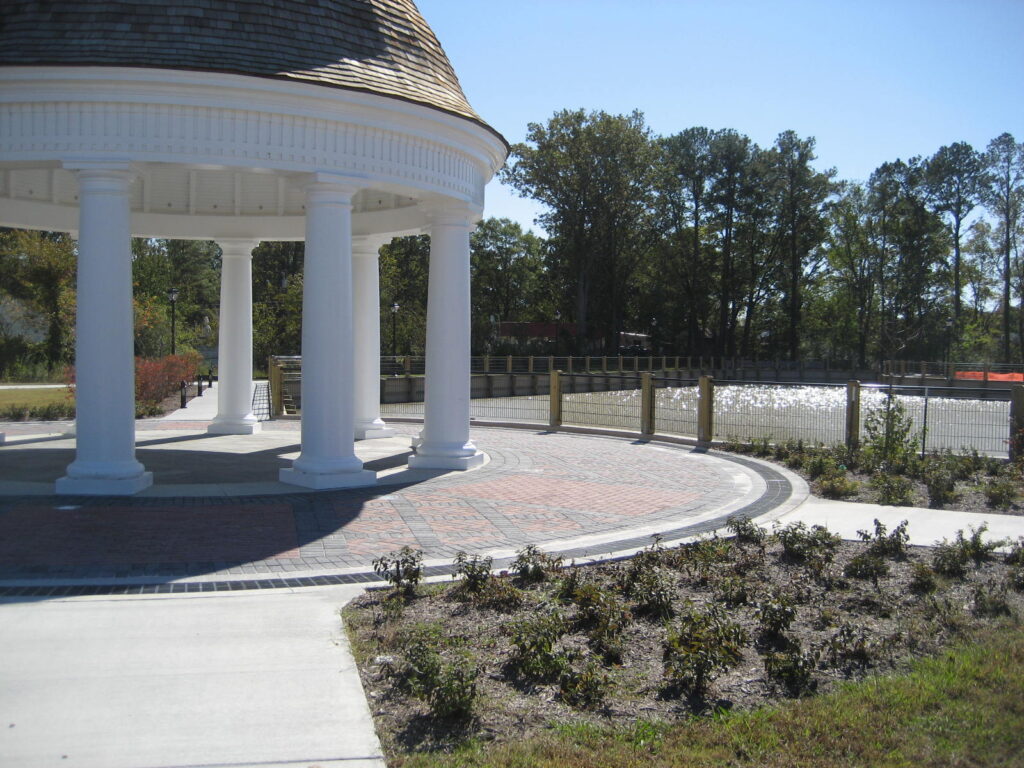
pixel 382 47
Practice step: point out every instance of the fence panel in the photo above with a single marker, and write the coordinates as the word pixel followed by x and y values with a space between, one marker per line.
pixel 780 412
pixel 675 406
pixel 955 423
pixel 618 409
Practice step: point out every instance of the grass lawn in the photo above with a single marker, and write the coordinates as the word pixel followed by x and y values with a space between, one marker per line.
pixel 32 398
pixel 964 707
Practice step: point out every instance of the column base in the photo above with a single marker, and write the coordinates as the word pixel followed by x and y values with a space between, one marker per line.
pixel 322 481
pixel 104 486
pixel 426 461
pixel 371 431
pixel 234 427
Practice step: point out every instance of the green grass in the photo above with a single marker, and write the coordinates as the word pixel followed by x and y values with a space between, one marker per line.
pixel 963 708
pixel 32 398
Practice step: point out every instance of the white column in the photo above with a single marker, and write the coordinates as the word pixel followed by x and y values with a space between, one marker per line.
pixel 366 319
pixel 234 367
pixel 104 348
pixel 328 457
pixel 444 442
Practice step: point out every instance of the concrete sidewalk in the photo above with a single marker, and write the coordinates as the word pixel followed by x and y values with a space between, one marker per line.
pixel 223 679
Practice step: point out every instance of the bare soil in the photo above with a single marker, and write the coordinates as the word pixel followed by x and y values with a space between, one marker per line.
pixel 843 627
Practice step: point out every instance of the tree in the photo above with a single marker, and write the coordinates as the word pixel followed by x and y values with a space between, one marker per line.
pixel 507 278
pixel 404 267
pixel 955 180
pixel 39 269
pixel 1003 197
pixel 799 194
pixel 593 173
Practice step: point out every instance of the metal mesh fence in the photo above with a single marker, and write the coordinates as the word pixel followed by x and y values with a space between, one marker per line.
pixel 618 409
pixel 780 412
pixel 675 407
pixel 532 409
pixel 943 418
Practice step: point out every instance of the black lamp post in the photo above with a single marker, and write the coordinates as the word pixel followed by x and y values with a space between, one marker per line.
pixel 558 328
pixel 949 332
pixel 394 322
pixel 173 296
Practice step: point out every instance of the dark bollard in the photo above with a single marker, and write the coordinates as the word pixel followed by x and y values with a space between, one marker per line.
pixel 199 384
pixel 184 391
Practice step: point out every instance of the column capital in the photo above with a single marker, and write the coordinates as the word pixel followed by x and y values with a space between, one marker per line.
pixel 232 247
pixel 453 214
pixel 111 176
pixel 322 187
pixel 368 245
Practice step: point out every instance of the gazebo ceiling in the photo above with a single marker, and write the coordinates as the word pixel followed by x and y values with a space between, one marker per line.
pixel 382 47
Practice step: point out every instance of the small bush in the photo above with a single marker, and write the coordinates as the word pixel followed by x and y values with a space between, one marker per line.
pixel 655 592
pixel 866 565
pixel 837 485
pixel 474 570
pixel 1015 578
pixel 800 544
pixel 532 566
pixel 1000 493
pixel 820 464
pixel 892 490
pixel 941 483
pixel 1016 554
pixel 586 689
pixel 792 670
pixel 454 693
pixel 732 591
pixel 534 656
pixel 499 595
pixel 989 599
pixel 775 613
pixel 700 646
pixel 922 580
pixel 950 560
pixel 890 445
pixel 746 531
pixel 402 569
pixel 850 645
pixel 884 544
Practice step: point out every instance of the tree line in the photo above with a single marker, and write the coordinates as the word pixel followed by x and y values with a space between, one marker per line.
pixel 715 245
pixel 705 241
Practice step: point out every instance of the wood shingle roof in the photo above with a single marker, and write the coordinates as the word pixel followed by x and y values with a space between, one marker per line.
pixel 378 46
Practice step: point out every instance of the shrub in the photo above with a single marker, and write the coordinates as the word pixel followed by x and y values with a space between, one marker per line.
pixel 866 565
pixel 950 560
pixel 850 645
pixel 820 464
pixel 792 670
pixel 774 613
pixel 158 378
pixel 654 593
pixel 837 486
pixel 732 591
pixel 402 569
pixel 532 566
pixel 884 544
pixel 586 689
pixel 1000 493
pixel 1016 554
pixel 922 580
pixel 800 544
pixel 892 490
pixel 499 595
pixel 989 599
pixel 533 639
pixel 702 645
pixel 419 670
pixel 941 484
pixel 745 530
pixel 890 445
pixel 700 559
pixel 1015 578
pixel 454 693
pixel 475 572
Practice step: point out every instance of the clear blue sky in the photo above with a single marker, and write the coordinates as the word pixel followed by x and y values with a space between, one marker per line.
pixel 871 80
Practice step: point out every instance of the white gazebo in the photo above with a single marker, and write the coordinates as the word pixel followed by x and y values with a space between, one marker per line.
pixel 336 122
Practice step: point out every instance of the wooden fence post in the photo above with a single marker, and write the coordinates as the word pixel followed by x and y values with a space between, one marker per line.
pixel 1016 420
pixel 508 364
pixel 852 414
pixel 555 401
pixel 706 410
pixel 646 404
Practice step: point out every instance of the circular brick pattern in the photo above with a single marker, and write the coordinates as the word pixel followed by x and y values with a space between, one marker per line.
pixel 582 495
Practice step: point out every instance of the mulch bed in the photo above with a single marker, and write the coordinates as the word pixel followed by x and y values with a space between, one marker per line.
pixel 843 627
